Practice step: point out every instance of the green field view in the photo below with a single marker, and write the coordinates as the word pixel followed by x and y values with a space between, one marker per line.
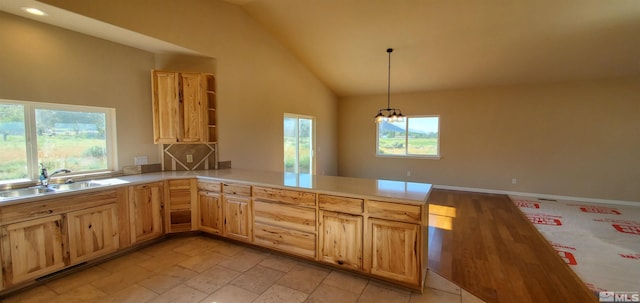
pixel 72 152
pixel 417 146
pixel 290 155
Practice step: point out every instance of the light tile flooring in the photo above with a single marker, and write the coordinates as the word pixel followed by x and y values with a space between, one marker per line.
pixel 202 269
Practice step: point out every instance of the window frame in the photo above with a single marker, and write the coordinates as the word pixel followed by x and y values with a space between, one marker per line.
pixel 312 151
pixel 406 142
pixel 33 167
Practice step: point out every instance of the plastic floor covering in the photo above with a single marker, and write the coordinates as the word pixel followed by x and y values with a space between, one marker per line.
pixel 600 242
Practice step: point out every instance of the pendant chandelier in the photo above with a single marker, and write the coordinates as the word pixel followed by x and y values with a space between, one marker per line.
pixel 389 114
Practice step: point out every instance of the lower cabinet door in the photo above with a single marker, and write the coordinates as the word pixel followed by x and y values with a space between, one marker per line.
pixel 392 249
pixel 92 232
pixel 237 218
pixel 341 239
pixel 145 211
pixel 210 212
pixel 32 249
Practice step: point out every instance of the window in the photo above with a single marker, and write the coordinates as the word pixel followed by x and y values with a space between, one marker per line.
pixel 299 144
pixel 414 137
pixel 78 138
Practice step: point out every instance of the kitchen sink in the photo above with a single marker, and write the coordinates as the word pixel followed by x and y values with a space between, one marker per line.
pixel 52 188
pixel 25 192
pixel 76 185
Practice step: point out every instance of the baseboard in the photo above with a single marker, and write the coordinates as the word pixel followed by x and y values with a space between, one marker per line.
pixel 535 195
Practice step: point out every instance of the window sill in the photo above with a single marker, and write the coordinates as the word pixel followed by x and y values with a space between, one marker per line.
pixel 409 157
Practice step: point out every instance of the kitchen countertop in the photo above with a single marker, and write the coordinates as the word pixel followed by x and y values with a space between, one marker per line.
pixel 389 190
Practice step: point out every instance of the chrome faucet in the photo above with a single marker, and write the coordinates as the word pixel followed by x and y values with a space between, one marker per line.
pixel 44 177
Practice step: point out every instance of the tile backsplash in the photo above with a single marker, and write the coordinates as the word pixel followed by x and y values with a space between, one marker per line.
pixel 183 157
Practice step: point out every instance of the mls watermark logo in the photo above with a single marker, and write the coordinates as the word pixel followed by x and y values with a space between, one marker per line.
pixel 619 296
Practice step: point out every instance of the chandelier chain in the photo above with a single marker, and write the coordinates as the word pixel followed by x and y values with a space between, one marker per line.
pixel 390 114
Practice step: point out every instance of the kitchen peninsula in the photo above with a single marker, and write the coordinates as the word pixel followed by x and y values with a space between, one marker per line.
pixel 378 228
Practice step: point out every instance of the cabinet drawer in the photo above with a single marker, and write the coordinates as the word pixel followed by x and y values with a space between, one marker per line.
pixel 286 216
pixel 341 204
pixel 211 186
pixel 394 211
pixel 284 239
pixel 53 206
pixel 285 196
pixel 179 199
pixel 180 184
pixel 236 189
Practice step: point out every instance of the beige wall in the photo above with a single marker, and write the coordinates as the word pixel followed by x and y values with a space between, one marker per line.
pixel 43 63
pixel 576 139
pixel 257 78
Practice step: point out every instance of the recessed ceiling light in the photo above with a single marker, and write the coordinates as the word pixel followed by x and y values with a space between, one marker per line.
pixel 34 11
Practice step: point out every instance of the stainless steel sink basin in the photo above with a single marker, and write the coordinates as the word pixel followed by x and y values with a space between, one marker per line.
pixel 25 192
pixel 52 188
pixel 76 186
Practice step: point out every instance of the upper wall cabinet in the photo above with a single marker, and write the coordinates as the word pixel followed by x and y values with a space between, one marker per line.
pixel 184 108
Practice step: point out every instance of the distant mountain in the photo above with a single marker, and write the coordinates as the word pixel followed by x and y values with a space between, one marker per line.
pixel 416 131
pixel 386 126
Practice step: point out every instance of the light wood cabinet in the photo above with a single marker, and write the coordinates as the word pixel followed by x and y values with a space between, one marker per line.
pixel 283 227
pixel 285 220
pixel 183 107
pixel 93 232
pixel 392 250
pixel 341 204
pixel 33 248
pixel 145 211
pixel 340 238
pixel 285 196
pixel 166 113
pixel 395 241
pixel 211 219
pixel 238 218
pixel 394 211
pixel 180 214
pixel 41 237
pixel 340 230
pixel 386 239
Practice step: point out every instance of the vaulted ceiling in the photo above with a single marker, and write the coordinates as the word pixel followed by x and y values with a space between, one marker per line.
pixel 451 44
pixel 438 44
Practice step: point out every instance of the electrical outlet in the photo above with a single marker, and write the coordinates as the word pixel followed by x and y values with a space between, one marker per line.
pixel 514 181
pixel 141 160
pixel 189 158
pixel 408 173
